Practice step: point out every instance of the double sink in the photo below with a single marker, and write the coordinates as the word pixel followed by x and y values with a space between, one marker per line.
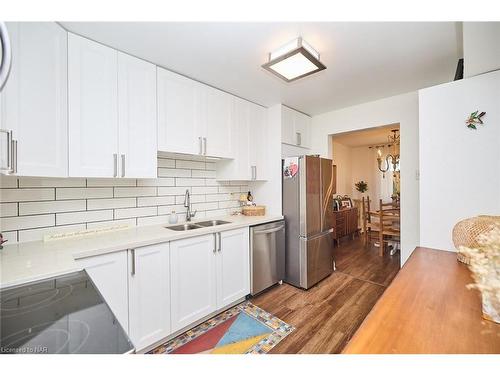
pixel 202 224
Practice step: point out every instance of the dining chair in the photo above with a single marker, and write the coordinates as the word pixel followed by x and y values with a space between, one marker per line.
pixel 388 219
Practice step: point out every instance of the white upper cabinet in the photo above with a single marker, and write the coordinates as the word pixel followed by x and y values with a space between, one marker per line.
pixel 288 126
pixel 239 167
pixel 249 142
pixel 179 114
pixel 295 127
pixel 149 294
pixel 33 104
pixel 112 112
pixel 302 130
pixel 137 117
pixel 193 118
pixel 258 141
pixel 216 115
pixel 193 279
pixel 233 266
pixel 93 108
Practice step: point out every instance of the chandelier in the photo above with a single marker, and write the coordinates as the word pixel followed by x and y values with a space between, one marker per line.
pixel 392 158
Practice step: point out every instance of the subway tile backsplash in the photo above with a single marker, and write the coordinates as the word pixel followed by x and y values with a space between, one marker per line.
pixel 31 207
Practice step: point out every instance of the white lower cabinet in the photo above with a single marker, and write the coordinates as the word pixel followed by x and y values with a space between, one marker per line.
pixel 149 294
pixel 233 266
pixel 193 279
pixel 208 273
pixel 109 274
pixel 159 289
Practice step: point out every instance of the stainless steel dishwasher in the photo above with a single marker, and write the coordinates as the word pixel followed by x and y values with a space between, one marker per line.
pixel 267 244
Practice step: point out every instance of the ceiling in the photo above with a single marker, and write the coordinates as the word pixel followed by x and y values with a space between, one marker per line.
pixel 368 137
pixel 365 60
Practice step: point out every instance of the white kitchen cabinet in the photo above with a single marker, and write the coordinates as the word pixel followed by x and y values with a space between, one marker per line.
pixel 238 169
pixel 193 118
pixel 233 266
pixel 302 130
pixel 137 117
pixel 93 108
pixel 250 145
pixel 179 114
pixel 287 126
pixel 160 289
pixel 33 104
pixel 109 274
pixel 208 273
pixel 258 156
pixel 112 112
pixel 149 294
pixel 295 128
pixel 217 124
pixel 193 279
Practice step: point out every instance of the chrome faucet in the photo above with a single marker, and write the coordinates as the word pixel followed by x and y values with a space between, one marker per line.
pixel 187 204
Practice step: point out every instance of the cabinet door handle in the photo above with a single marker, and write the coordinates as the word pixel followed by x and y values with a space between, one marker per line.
pixel 123 165
pixel 200 143
pixel 115 165
pixel 299 138
pixel 132 271
pixel 14 156
pixel 204 145
pixel 215 243
pixel 254 172
pixel 220 242
pixel 8 168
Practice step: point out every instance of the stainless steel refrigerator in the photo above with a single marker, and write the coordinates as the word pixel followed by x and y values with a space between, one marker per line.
pixel 308 188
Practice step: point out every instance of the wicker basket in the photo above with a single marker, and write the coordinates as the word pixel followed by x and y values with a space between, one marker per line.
pixel 254 210
pixel 467 232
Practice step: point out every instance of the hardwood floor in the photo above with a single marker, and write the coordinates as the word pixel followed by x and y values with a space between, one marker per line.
pixel 327 315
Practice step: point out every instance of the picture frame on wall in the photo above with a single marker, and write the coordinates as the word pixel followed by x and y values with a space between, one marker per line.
pixel 342 203
pixel 345 203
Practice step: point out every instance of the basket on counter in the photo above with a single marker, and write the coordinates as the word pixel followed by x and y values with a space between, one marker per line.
pixel 253 210
pixel 466 233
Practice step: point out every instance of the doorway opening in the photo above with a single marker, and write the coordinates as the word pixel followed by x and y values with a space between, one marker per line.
pixel 367 217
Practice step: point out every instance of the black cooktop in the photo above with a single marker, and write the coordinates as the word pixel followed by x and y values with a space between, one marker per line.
pixel 65 314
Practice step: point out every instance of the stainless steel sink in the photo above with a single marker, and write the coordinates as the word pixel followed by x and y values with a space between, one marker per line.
pixel 212 223
pixel 182 227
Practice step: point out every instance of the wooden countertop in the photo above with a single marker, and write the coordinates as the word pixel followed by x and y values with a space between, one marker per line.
pixel 427 309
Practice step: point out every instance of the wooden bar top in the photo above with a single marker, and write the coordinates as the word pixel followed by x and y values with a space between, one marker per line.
pixel 427 309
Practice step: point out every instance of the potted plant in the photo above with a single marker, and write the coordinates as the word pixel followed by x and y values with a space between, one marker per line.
pixel 361 186
pixel 485 266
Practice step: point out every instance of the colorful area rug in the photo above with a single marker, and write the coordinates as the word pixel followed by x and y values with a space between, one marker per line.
pixel 243 329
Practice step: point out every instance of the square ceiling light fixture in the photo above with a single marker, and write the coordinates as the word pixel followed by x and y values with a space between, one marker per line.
pixel 295 60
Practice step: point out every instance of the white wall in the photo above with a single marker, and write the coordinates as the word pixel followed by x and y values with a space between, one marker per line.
pixel 402 109
pixel 481 47
pixel 268 193
pixel 460 167
pixel 364 168
pixel 342 158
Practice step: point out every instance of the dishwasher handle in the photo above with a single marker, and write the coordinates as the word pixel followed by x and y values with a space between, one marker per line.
pixel 273 230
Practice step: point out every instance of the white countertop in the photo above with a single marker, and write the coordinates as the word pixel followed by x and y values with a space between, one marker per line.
pixel 32 261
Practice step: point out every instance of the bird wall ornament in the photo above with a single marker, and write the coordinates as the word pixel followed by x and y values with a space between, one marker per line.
pixel 475 119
